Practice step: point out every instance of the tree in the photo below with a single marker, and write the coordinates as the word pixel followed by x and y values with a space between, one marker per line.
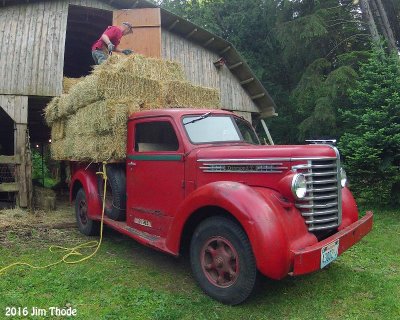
pixel 371 146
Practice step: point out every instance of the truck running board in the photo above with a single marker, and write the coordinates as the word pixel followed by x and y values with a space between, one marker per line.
pixel 122 227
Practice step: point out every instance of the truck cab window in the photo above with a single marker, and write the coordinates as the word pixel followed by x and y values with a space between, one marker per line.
pixel 247 131
pixel 155 136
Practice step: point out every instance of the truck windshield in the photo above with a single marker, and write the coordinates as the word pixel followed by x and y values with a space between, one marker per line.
pixel 218 128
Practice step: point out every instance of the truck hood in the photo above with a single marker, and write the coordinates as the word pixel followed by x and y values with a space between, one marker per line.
pixel 263 166
pixel 283 153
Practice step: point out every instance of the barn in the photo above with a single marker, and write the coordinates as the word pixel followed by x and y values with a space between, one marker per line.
pixel 43 41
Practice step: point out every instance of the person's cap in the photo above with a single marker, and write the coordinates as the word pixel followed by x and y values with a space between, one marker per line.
pixel 129 25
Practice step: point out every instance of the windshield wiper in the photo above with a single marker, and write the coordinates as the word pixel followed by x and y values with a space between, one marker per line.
pixel 206 115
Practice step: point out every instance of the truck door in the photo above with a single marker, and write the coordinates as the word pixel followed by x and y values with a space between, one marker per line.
pixel 155 175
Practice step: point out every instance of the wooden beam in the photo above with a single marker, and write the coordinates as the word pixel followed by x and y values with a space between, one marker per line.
pixel 173 25
pixel 225 50
pixel 208 42
pixel 8 187
pixel 190 34
pixel 258 96
pixel 246 81
pixel 236 65
pixel 16 107
pixel 16 159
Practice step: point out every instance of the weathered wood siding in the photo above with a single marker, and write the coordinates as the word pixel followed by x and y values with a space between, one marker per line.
pixel 199 69
pixel 16 107
pixel 33 42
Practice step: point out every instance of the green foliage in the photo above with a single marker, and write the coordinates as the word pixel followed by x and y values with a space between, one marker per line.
pixel 40 169
pixel 371 145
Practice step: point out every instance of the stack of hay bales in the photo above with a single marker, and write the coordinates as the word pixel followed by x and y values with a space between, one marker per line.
pixel 89 121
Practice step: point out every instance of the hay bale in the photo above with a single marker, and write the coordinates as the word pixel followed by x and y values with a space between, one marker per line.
pixel 68 83
pixel 180 94
pixel 51 111
pixel 59 149
pixel 144 67
pixel 96 132
pixel 90 122
pixel 44 199
pixel 58 130
pixel 122 85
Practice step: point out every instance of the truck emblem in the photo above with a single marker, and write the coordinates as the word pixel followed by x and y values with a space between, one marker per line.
pixel 143 222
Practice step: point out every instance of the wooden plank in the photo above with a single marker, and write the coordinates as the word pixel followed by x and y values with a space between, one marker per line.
pixel 20 148
pixel 9 187
pixel 43 43
pixel 16 47
pixel 28 178
pixel 16 159
pixel 24 49
pixel 60 52
pixel 34 70
pixel 146 37
pixel 10 46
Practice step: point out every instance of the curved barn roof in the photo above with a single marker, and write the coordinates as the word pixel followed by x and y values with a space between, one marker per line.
pixel 234 61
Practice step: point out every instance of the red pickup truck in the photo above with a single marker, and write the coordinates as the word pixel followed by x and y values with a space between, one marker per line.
pixel 199 180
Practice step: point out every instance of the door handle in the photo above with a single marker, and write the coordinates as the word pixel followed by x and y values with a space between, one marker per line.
pixel 131 164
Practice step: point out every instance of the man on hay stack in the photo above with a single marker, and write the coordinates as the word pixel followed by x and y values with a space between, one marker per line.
pixel 109 41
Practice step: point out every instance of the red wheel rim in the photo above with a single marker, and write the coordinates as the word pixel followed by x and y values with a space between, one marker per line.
pixel 83 212
pixel 220 262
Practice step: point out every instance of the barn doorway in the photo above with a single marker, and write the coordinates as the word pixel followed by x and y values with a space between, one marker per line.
pixel 7 170
pixel 84 26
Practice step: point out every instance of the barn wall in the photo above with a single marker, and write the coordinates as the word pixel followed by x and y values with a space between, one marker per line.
pixel 32 51
pixel 199 69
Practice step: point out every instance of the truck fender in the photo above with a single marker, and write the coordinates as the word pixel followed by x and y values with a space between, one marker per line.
pixel 258 213
pixel 349 209
pixel 88 180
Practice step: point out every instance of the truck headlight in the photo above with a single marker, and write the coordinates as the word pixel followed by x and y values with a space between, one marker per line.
pixel 299 186
pixel 343 177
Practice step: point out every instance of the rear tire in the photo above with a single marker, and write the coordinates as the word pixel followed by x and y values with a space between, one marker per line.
pixel 222 260
pixel 87 226
pixel 115 207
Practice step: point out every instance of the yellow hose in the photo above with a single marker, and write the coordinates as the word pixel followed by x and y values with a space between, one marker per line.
pixel 73 251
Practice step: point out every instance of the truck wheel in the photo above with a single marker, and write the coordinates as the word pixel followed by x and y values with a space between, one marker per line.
pixel 222 260
pixel 85 225
pixel 115 206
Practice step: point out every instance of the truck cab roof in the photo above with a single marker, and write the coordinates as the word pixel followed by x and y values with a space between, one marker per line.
pixel 176 113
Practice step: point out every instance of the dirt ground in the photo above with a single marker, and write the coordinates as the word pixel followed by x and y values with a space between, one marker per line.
pixel 39 224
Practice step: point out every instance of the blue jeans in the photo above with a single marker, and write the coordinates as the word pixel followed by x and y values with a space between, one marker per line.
pixel 99 56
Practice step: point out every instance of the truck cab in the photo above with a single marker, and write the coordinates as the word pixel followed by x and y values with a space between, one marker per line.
pixel 199 180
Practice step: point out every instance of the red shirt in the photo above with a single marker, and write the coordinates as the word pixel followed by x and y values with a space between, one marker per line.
pixel 114 33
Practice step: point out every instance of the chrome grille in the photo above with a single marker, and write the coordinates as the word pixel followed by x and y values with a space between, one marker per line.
pixel 321 208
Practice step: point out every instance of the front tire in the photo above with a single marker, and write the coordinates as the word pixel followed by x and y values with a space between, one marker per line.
pixel 86 226
pixel 222 260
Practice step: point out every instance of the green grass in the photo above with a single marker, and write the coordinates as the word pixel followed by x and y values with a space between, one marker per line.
pixel 128 281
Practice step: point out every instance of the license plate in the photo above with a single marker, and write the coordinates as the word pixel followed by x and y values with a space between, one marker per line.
pixel 329 253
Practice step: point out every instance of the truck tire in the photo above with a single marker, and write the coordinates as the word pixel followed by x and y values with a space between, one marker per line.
pixel 115 207
pixel 85 225
pixel 222 260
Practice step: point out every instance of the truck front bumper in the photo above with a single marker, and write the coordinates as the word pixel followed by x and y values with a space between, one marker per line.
pixel 309 259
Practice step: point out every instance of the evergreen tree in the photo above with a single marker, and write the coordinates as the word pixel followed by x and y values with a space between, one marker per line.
pixel 371 146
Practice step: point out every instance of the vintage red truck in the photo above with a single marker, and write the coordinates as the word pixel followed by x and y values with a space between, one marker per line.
pixel 201 181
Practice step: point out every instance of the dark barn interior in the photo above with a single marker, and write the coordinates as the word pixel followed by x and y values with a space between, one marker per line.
pixel 84 26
